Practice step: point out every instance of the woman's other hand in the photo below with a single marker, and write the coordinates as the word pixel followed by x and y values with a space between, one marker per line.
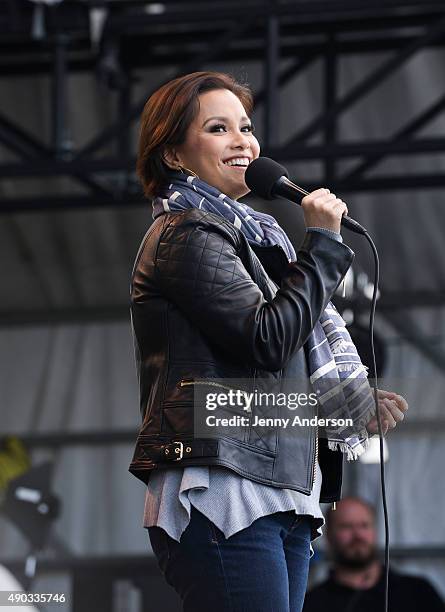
pixel 322 208
pixel 392 408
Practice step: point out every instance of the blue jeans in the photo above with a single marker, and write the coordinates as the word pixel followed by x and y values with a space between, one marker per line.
pixel 262 568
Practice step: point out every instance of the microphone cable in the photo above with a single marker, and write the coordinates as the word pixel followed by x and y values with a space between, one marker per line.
pixel 365 233
pixel 379 424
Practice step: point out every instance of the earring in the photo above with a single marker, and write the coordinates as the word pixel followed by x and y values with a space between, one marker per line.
pixel 182 168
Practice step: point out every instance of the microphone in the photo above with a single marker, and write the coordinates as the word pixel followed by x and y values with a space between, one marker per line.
pixel 269 179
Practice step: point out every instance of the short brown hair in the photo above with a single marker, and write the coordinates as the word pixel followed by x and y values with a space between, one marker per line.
pixel 167 116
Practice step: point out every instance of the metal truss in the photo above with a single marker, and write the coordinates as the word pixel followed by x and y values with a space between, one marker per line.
pixel 389 302
pixel 187 36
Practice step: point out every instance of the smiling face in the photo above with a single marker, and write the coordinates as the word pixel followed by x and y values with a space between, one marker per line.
pixel 220 131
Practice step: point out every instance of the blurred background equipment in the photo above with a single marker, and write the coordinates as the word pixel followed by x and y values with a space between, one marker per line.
pixel 30 505
pixel 25 499
pixel 14 461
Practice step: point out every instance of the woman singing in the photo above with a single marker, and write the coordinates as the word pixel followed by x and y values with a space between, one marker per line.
pixel 218 292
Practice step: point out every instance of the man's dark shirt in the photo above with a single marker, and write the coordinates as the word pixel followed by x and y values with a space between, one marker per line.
pixel 406 593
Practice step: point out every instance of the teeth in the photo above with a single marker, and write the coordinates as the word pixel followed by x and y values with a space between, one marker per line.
pixel 240 161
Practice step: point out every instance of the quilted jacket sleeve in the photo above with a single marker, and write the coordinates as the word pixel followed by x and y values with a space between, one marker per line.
pixel 199 268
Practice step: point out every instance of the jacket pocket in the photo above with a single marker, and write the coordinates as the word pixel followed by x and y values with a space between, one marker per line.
pixel 179 388
pixel 209 411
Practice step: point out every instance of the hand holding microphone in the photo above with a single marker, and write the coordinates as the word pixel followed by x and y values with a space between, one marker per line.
pixel 269 179
pixel 321 208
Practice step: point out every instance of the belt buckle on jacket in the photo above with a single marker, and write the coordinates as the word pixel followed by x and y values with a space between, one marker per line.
pixel 178 450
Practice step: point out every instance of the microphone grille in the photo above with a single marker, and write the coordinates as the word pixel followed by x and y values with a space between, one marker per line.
pixel 262 174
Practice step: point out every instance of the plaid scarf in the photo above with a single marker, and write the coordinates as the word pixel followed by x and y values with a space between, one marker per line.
pixel 336 372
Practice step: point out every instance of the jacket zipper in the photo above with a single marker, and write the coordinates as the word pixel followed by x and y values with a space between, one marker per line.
pixel 334 504
pixel 212 383
pixel 316 450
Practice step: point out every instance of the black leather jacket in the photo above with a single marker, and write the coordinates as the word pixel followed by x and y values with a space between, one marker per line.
pixel 205 304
